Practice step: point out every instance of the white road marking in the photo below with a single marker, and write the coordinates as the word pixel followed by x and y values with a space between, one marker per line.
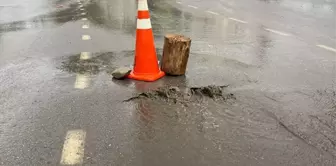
pixel 326 47
pixel 84 19
pixel 85 26
pixel 237 20
pixel 277 32
pixel 81 9
pixel 193 6
pixel 10 5
pixel 73 148
pixel 82 81
pixel 83 13
pixel 179 2
pixel 86 37
pixel 80 6
pixel 211 12
pixel 84 56
pixel 29 25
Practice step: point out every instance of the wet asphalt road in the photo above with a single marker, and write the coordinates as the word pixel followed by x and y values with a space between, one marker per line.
pixel 277 56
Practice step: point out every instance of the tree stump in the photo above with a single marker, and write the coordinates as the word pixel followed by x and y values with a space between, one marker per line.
pixel 175 55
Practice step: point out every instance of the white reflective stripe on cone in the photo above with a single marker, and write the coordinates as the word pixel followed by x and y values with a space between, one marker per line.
pixel 144 24
pixel 142 5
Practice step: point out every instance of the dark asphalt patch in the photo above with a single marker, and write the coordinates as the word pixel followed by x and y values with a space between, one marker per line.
pixel 97 63
pixel 101 61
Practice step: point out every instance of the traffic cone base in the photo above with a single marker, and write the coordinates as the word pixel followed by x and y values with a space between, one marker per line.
pixel 146 77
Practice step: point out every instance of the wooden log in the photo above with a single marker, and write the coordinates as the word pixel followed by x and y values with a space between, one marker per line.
pixel 175 55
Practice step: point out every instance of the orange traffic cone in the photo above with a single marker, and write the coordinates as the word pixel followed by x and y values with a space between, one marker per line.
pixel 146 67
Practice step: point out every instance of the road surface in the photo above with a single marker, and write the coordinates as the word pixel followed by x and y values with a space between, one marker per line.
pixel 59 105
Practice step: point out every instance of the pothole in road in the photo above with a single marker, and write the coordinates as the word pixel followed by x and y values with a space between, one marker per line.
pixel 188 95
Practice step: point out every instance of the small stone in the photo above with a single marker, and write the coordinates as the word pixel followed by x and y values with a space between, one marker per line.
pixel 174 88
pixel 121 72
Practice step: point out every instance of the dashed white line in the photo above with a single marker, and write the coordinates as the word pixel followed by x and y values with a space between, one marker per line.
pixel 179 2
pixel 81 9
pixel 84 19
pixel 83 13
pixel 211 12
pixel 195 7
pixel 237 20
pixel 73 148
pixel 85 26
pixel 277 32
pixel 84 56
pixel 86 37
pixel 326 47
pixel 82 81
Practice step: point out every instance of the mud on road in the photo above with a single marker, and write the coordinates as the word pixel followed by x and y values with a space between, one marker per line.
pixel 186 95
